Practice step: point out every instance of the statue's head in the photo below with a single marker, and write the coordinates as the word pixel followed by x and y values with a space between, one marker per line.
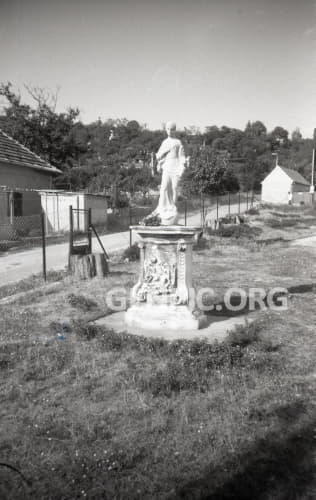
pixel 170 128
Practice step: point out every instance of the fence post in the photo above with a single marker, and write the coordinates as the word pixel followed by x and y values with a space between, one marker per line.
pixel 90 229
pixel 130 230
pixel 228 203
pixel 11 205
pixel 185 212
pixel 239 203
pixel 71 237
pixel 43 245
pixel 78 214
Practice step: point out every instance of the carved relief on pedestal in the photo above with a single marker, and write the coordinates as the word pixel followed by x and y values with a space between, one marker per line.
pixel 158 274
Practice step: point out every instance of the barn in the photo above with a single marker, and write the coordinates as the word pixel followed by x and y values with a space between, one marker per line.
pixel 283 185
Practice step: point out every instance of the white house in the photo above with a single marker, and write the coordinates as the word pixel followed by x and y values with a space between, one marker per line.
pixel 281 184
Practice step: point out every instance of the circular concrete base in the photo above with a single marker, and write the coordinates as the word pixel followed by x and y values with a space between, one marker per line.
pixel 217 328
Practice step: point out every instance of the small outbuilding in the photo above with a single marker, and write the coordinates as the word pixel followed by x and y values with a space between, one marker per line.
pixel 21 173
pixel 55 205
pixel 284 185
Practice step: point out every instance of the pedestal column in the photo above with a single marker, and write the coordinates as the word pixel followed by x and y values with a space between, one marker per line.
pixel 164 296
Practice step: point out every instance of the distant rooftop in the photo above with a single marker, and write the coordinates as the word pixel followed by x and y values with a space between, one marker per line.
pixel 295 176
pixel 12 152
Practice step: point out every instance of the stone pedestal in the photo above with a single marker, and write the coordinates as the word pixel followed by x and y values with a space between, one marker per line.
pixel 163 296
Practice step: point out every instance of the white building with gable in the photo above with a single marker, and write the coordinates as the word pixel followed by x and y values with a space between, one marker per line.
pixel 281 184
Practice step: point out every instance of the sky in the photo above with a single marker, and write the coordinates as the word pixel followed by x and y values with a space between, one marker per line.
pixel 198 62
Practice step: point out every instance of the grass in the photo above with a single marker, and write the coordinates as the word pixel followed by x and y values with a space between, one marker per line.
pixel 30 283
pixel 90 413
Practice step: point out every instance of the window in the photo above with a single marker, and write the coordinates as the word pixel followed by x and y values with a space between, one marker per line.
pixel 17 200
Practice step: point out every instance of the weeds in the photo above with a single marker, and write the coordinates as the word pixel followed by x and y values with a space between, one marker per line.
pixel 282 223
pixel 236 231
pixel 82 302
pixel 131 254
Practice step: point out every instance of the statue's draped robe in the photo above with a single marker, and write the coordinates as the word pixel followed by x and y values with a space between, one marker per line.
pixel 171 159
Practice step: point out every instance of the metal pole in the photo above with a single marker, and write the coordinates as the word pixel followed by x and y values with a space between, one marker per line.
pixel 70 234
pixel 185 212
pixel 130 230
pixel 313 167
pixel 11 204
pixel 78 219
pixel 43 245
pixel 203 212
pixel 90 229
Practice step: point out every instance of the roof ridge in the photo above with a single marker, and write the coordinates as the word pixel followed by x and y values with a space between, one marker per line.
pixel 49 165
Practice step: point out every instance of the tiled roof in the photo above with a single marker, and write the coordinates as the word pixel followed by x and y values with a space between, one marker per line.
pixel 13 152
pixel 295 176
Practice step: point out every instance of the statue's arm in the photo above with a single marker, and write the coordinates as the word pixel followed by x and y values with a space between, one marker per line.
pixel 162 151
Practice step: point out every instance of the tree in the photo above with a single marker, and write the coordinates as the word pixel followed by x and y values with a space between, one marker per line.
pixel 208 174
pixel 47 133
pixel 256 129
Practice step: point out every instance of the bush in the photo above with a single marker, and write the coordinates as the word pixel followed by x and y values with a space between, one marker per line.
pixel 252 211
pixel 201 244
pixel 131 253
pixel 81 302
pixel 282 223
pixel 235 231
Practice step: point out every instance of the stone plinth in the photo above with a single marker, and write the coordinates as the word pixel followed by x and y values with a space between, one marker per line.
pixel 163 297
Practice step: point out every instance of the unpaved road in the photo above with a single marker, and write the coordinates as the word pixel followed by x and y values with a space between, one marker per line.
pixel 22 264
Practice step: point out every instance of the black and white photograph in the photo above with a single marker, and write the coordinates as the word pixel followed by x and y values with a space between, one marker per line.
pixel 157 250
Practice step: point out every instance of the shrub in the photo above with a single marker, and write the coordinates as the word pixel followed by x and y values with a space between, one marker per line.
pixel 236 231
pixel 252 211
pixel 81 302
pixel 200 244
pixel 131 253
pixel 243 335
pixel 282 223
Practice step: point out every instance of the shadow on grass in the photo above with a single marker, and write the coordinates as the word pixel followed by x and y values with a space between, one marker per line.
pixel 277 467
pixel 121 273
pixel 303 288
pixel 235 305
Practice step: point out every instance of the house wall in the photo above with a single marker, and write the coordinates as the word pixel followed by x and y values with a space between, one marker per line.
pixel 300 188
pixel 275 187
pixel 24 177
pixel 303 198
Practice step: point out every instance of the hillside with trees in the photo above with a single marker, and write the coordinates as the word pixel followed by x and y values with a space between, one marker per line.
pixel 116 155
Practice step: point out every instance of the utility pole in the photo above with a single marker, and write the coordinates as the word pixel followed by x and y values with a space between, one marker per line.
pixel 312 188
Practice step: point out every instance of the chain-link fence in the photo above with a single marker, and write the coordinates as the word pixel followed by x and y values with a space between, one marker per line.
pixel 39 233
